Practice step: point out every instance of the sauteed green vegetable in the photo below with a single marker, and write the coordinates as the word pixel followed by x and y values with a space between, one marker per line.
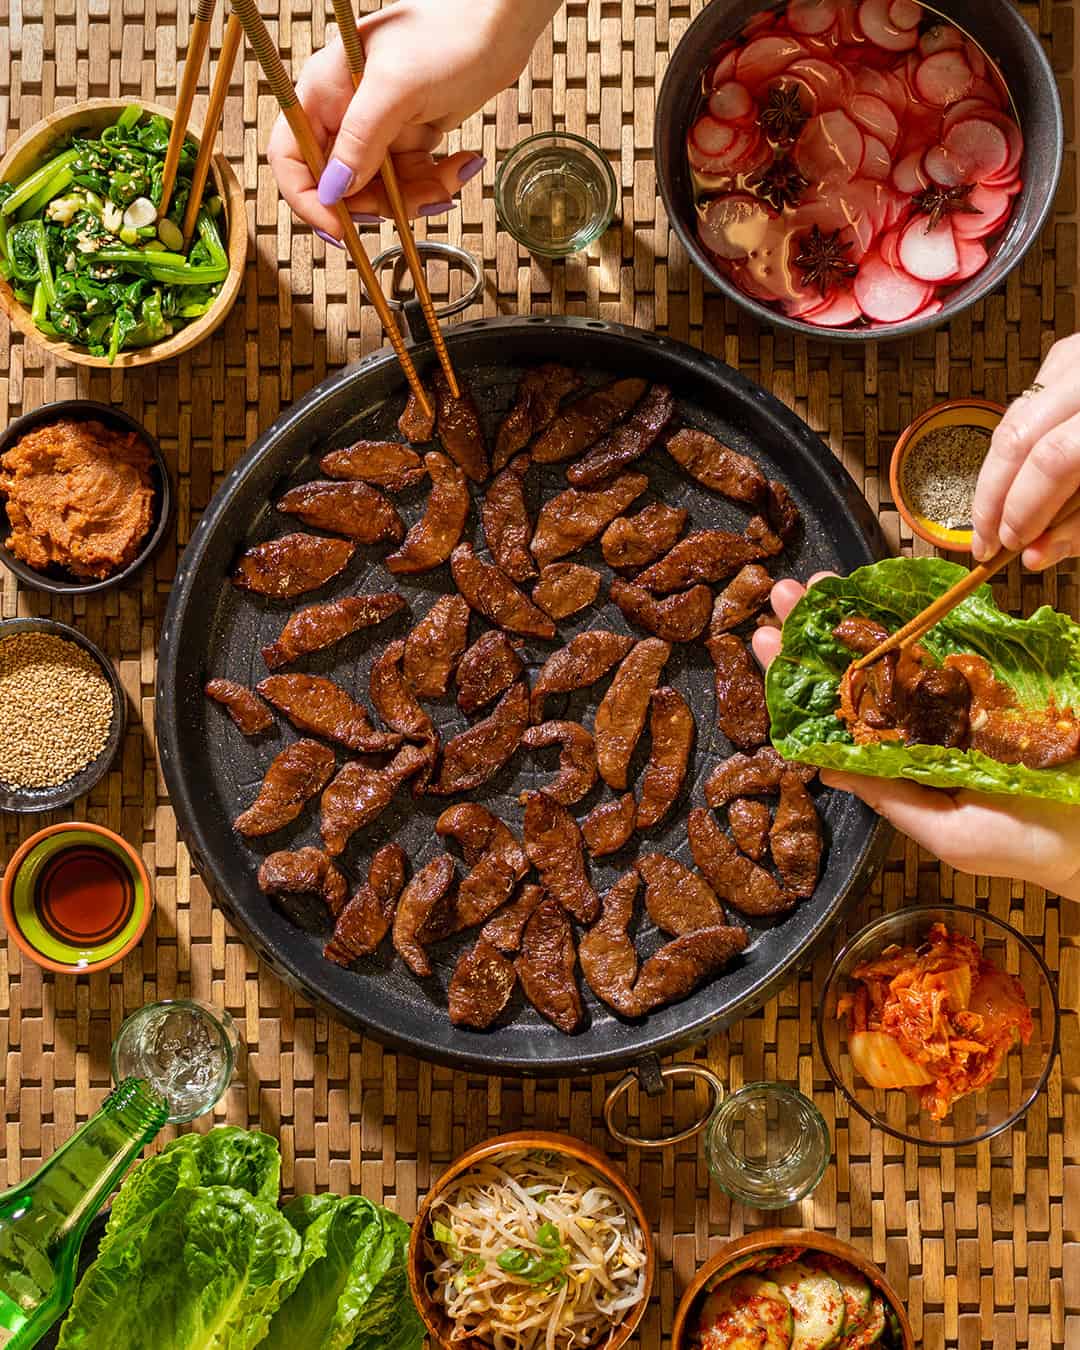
pixel 81 245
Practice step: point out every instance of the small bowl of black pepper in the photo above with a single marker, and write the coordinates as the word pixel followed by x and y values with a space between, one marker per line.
pixel 64 715
pixel 935 468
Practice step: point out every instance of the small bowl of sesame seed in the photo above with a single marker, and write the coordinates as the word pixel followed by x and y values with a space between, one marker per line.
pixel 64 715
pixel 935 468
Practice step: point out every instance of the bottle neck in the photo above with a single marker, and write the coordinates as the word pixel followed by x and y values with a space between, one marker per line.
pixel 83 1172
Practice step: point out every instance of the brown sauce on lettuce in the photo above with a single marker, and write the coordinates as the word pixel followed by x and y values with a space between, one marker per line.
pixel 960 704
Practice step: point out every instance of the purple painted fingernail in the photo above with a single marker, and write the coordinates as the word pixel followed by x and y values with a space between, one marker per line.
pixel 334 182
pixel 436 208
pixel 366 218
pixel 471 168
pixel 329 239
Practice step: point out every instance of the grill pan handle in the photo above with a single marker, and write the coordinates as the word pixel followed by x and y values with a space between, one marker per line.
pixel 416 329
pixel 651 1077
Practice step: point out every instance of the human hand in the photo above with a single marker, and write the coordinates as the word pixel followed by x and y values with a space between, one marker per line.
pixel 1033 468
pixel 1037 841
pixel 429 65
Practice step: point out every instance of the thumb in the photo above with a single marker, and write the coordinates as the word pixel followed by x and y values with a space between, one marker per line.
pixel 376 113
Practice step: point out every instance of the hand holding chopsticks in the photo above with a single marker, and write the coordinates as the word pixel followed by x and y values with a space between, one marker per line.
pixel 281 85
pixel 921 624
pixel 354 54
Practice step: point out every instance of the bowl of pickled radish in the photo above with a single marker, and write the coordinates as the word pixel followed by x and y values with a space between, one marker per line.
pixel 858 169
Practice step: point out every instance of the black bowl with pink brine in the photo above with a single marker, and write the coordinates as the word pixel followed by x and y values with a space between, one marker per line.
pixel 858 168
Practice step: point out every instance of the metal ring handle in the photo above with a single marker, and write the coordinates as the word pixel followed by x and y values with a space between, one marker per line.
pixel 436 249
pixel 668 1071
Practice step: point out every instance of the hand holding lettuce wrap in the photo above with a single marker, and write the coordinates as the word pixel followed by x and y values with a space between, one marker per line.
pixel 1031 838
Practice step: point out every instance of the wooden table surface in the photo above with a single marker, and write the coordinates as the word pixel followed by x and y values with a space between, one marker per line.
pixel 984 1245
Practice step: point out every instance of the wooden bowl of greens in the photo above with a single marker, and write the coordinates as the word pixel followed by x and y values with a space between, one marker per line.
pixel 86 270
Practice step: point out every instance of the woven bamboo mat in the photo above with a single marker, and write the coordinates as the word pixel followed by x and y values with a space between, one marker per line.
pixel 984 1247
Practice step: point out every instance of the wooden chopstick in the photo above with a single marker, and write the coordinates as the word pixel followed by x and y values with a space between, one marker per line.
pixel 273 68
pixel 354 55
pixel 230 45
pixel 921 624
pixel 197 45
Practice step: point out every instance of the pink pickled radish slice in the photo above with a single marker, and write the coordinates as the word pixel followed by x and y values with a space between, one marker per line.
pixel 711 137
pixel 875 116
pixel 725 68
pixel 760 22
pixel 828 82
pixel 1015 137
pixel 973 106
pixel 994 206
pixel 944 78
pixel 941 38
pixel 980 148
pixel 889 247
pixel 887 293
pixel 877 163
pixel 747 150
pixel 842 309
pixel 932 307
pixel 976 59
pixel 830 148
pixel 991 91
pixel 811 17
pixel 973 258
pixel 885 85
pixel 928 254
pixel 905 13
pixel 805 305
pixel 731 102
pixel 733 226
pixel 766 57
pixel 908 174
pixel 708 166
pixel 876 25
pixel 942 168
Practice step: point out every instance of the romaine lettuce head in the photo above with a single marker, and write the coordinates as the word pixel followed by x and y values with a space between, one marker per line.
pixel 204 1270
pixel 227 1156
pixel 354 1293
pixel 1039 658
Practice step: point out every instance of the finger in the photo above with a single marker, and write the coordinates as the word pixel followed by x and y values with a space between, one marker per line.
pixel 1045 481
pixel 384 102
pixel 785 596
pixel 819 576
pixel 1054 546
pixel 1026 420
pixel 766 645
pixel 296 183
pixel 428 186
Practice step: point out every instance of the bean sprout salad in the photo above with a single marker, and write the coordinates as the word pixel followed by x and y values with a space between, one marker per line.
pixel 532 1252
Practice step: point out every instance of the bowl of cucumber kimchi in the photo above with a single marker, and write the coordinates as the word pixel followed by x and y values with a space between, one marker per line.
pixel 790 1289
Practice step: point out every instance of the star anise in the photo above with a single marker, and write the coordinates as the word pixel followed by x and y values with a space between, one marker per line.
pixel 783 115
pixel 822 261
pixel 939 202
pixel 781 184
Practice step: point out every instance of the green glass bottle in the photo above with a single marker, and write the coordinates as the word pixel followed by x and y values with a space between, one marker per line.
pixel 44 1220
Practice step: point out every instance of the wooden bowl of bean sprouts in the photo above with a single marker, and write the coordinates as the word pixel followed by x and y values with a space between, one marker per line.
pixel 531 1241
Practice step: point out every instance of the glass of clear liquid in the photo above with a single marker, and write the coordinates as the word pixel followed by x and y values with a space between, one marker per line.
pixel 767 1145
pixel 555 193
pixel 184 1048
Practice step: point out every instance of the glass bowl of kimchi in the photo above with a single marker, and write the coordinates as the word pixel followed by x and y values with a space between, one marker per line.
pixel 939 1024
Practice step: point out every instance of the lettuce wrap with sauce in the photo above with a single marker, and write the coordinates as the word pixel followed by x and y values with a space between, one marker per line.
pixel 1038 658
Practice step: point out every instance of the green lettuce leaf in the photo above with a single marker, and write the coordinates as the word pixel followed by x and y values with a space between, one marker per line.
pixel 228 1156
pixel 204 1270
pixel 1037 657
pixel 354 1291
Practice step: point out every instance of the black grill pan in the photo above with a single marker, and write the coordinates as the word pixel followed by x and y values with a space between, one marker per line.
pixel 212 629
